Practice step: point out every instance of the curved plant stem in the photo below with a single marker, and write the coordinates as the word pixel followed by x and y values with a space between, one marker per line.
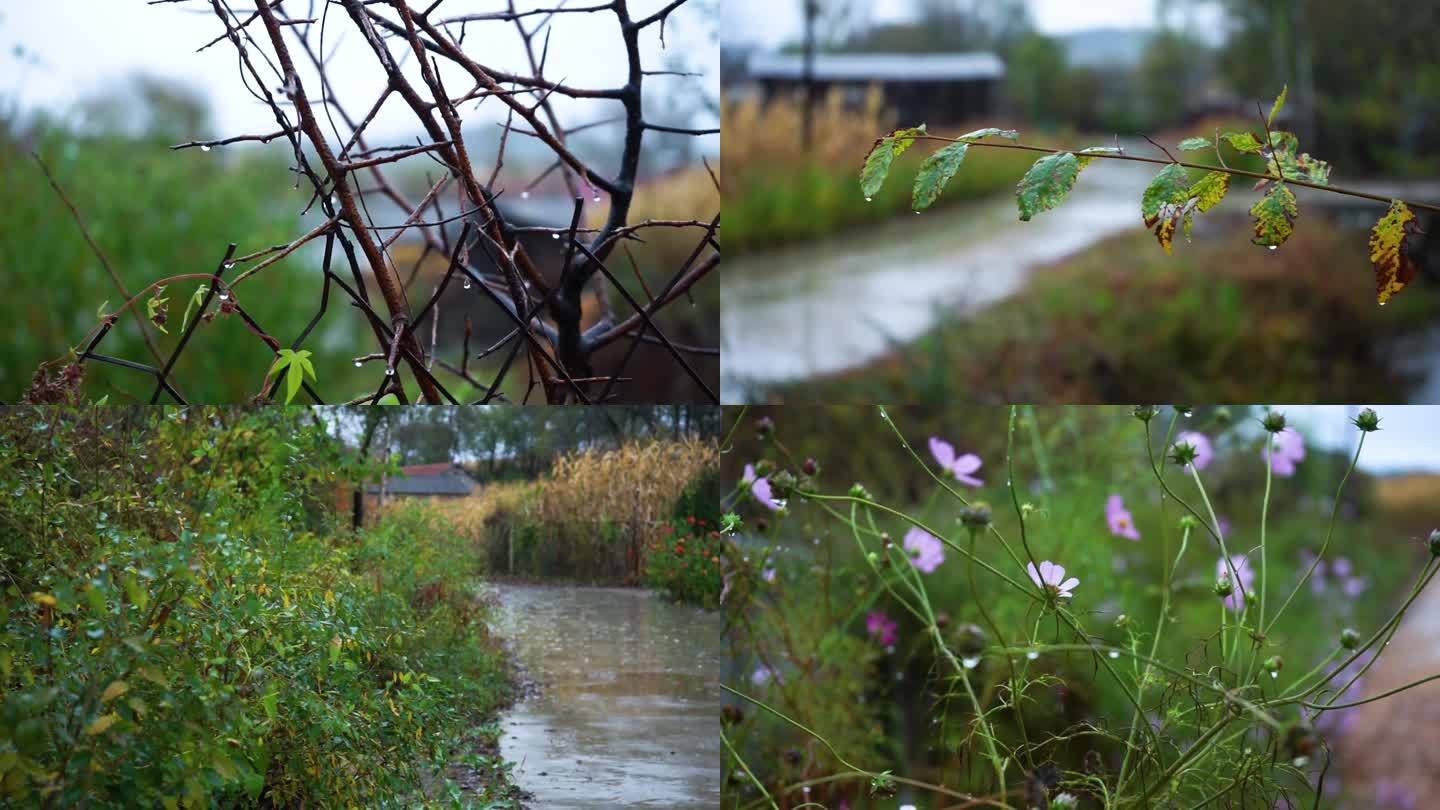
pixel 1348 192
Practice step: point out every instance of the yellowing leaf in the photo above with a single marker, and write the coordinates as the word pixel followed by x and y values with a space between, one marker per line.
pixel 1209 190
pixel 114 690
pixel 1274 216
pixel 882 154
pixel 43 599
pixel 224 767
pixel 1279 102
pixel 101 724
pixel 1393 268
pixel 1242 141
pixel 1045 185
pixel 329 597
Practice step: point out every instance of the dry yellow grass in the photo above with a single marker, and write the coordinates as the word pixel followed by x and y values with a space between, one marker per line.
pixel 768 135
pixel 632 485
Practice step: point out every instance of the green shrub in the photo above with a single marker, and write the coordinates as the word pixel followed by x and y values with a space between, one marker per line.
pixel 183 624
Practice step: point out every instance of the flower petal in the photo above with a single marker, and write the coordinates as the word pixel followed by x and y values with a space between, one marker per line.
pixel 1069 584
pixel 967 463
pixel 1057 573
pixel 943 451
pixel 1034 573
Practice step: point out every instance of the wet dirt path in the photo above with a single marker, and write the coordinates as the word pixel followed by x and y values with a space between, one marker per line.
pixel 625 706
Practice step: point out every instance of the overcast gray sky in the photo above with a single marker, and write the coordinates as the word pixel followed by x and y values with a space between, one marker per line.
pixel 76 47
pixel 773 22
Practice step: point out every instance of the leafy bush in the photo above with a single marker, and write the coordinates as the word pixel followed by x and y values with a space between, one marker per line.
pixel 184 624
pixel 683 560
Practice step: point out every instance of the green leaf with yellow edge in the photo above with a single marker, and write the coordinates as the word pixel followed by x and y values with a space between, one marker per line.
pixel 1045 185
pixel 1274 216
pixel 989 132
pixel 1169 186
pixel 102 724
pixel 1242 141
pixel 936 172
pixel 1195 144
pixel 882 155
pixel 1279 102
pixel 1393 267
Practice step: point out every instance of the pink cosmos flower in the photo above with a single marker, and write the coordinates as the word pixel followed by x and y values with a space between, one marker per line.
pixel 762 675
pixel 925 550
pixel 760 488
pixel 1121 523
pixel 882 627
pixel 1239 566
pixel 1289 451
pixel 1203 451
pixel 768 575
pixel 1051 577
pixel 961 467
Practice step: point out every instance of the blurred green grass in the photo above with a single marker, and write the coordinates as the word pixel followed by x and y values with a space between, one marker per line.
pixel 154 213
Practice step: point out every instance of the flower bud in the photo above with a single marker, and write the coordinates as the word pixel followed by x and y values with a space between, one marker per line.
pixel 976 515
pixel 1349 639
pixel 1273 664
pixel 1434 543
pixel 1367 420
pixel 764 427
pixel 942 620
pixel 810 467
pixel 1274 421
pixel 1223 587
pixel 1223 415
pixel 1144 412
pixel 782 484
pixel 858 490
pixel 1122 621
pixel 969 640
pixel 1182 453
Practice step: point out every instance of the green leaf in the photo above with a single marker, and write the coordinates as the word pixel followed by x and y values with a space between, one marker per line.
pixel 1393 266
pixel 882 154
pixel 1274 216
pixel 1279 102
pixel 1169 186
pixel 294 378
pixel 1045 185
pixel 936 172
pixel 1195 144
pixel 224 767
pixel 271 701
pixel 988 132
pixel 1242 141
pixel 197 299
pixel 388 399
pixel 156 306
pixel 1087 154
pixel 100 313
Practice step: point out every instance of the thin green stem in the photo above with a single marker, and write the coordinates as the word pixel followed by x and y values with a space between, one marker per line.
pixel 1225 169
pixel 746 768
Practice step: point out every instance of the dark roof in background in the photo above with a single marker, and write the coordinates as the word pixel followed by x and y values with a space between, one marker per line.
pixel 429 479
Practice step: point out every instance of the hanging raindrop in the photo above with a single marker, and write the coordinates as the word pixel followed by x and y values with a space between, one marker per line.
pixel 869 199
pixel 358 364
pixel 970 663
pixel 554 236
pixel 1032 655
pixel 204 147
pixel 1272 247
pixel 389 371
pixel 1114 654
pixel 466 283
pixel 597 198
pixel 224 296
pixel 524 195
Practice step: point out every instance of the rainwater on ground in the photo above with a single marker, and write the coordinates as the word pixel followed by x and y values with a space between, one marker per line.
pixel 625 710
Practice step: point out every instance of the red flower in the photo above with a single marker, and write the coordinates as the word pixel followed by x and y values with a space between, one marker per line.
pixel 691 520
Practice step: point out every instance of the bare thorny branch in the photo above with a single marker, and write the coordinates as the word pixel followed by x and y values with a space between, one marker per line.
pixel 544 309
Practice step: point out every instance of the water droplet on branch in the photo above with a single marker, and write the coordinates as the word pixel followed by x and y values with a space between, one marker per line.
pixel 970 663
pixel 204 147
pixel 869 199
pixel 1272 247
pixel 1032 655
pixel 359 363
pixel 466 283
pixel 389 371
pixel 1114 654
pixel 524 195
